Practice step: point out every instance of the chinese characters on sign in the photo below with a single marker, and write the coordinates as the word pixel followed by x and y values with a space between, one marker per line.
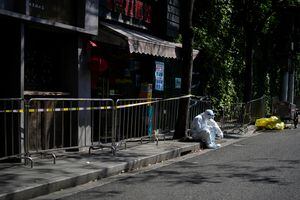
pixel 137 9
pixel 129 8
pixel 159 76
pixel 37 5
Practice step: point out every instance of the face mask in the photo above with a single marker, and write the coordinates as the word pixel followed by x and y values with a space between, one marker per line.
pixel 210 116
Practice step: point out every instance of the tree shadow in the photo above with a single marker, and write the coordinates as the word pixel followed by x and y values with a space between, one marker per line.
pixel 190 172
pixel 93 194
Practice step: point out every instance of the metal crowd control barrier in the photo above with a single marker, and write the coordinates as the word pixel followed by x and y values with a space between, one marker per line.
pixel 167 114
pixel 137 119
pixel 232 117
pixel 255 109
pixel 237 116
pixel 134 119
pixel 197 106
pixel 11 131
pixel 52 124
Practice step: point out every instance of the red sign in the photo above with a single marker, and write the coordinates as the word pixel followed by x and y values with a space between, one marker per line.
pixel 129 8
pixel 147 13
pixel 139 9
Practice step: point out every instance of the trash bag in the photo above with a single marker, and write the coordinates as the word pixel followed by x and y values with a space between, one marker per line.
pixel 262 122
pixel 272 123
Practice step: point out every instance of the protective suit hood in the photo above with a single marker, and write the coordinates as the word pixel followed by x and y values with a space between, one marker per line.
pixel 208 114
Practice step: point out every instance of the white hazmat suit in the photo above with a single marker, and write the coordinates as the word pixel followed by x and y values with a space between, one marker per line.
pixel 205 129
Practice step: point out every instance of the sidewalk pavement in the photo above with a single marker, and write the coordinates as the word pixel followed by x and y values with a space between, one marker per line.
pixel 18 181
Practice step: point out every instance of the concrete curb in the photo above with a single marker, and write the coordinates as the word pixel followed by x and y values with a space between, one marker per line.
pixel 53 185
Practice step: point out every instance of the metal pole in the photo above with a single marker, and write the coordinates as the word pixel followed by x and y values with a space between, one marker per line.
pixel 285 81
pixel 291 86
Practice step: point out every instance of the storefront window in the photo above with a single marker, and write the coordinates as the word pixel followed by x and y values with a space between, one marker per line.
pixel 13 5
pixel 63 11
pixel 48 60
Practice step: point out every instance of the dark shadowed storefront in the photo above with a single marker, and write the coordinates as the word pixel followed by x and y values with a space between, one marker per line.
pixel 133 49
pixel 42 55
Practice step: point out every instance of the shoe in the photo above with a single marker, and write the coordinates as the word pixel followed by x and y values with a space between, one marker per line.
pixel 211 146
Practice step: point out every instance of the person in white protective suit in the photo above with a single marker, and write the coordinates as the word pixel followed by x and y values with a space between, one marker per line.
pixel 204 128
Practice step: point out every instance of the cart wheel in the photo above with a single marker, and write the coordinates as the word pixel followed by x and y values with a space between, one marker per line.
pixel 296 120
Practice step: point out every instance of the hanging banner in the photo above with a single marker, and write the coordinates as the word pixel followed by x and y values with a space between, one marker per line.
pixel 159 76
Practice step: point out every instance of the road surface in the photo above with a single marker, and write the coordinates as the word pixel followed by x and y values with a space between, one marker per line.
pixel 266 166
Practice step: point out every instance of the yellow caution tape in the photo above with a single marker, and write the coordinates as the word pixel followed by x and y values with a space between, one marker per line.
pixel 12 111
pixel 34 110
pixel 135 104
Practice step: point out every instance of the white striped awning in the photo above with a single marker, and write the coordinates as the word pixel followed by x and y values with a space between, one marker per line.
pixel 138 42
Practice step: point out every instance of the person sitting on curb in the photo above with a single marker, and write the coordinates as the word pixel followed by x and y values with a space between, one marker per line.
pixel 204 128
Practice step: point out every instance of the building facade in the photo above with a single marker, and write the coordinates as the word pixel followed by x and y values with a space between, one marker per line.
pixel 133 49
pixel 85 49
pixel 42 54
pixel 41 43
pixel 43 40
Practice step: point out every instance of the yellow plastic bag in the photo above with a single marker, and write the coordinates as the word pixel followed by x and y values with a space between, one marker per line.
pixel 262 122
pixel 272 123
pixel 280 126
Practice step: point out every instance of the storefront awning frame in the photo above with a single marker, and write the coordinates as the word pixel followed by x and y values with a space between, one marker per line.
pixel 138 42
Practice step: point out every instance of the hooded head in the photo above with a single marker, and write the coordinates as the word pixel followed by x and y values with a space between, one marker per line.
pixel 209 114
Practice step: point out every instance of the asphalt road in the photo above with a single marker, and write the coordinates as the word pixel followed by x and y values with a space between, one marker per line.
pixel 266 166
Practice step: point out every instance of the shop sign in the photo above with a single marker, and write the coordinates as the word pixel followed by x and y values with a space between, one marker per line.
pixel 159 76
pixel 137 9
pixel 129 8
pixel 37 4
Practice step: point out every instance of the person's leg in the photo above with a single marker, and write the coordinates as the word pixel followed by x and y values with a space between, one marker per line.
pixel 210 138
pixel 213 135
pixel 196 136
pixel 204 136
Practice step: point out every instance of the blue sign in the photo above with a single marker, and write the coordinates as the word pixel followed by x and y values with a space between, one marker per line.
pixel 159 76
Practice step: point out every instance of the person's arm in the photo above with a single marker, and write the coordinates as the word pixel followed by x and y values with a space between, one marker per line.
pixel 197 124
pixel 219 132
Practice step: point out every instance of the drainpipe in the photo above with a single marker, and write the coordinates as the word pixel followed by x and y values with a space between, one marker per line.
pixel 291 68
pixel 285 85
pixel 291 84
